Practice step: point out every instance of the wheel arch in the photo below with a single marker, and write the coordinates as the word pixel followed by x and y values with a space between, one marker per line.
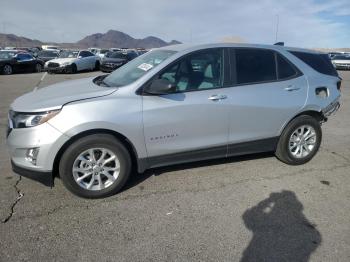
pixel 313 113
pixel 123 139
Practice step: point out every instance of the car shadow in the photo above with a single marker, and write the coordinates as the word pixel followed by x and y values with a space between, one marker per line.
pixel 281 232
pixel 137 178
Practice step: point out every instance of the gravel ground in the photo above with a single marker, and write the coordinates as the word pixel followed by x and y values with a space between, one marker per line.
pixel 251 208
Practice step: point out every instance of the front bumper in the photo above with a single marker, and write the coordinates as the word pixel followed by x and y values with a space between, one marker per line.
pixel 46 139
pixel 60 69
pixel 43 177
pixel 342 66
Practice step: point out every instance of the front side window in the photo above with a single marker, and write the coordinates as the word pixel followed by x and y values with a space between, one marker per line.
pixel 22 57
pixel 69 54
pixel 255 65
pixel 85 54
pixel 202 70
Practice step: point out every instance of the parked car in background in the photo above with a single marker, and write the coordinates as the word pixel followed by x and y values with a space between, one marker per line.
pixel 50 47
pixel 173 105
pixel 101 52
pixel 72 61
pixel 114 60
pixel 341 62
pixel 12 61
pixel 332 54
pixel 46 55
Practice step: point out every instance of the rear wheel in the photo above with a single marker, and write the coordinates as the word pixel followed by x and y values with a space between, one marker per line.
pixel 95 166
pixel 97 66
pixel 7 70
pixel 300 140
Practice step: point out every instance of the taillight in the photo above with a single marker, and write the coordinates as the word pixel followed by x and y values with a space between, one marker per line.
pixel 339 85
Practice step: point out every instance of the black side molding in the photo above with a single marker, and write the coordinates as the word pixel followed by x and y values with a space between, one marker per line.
pixel 243 148
pixel 45 178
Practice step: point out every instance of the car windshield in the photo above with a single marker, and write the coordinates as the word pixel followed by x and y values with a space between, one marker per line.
pixel 116 55
pixel 69 54
pixel 103 51
pixel 341 57
pixel 138 67
pixel 6 55
pixel 47 54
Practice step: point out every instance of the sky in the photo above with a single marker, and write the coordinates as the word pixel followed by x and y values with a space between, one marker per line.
pixel 302 23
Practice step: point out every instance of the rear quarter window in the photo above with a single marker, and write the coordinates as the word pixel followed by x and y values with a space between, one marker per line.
pixel 319 62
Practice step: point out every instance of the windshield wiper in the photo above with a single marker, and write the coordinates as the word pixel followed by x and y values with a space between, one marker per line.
pixel 100 81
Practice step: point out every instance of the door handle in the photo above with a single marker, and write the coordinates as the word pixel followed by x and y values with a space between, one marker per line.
pixel 217 97
pixel 291 88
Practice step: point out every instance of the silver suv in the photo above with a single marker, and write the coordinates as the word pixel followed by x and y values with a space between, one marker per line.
pixel 173 105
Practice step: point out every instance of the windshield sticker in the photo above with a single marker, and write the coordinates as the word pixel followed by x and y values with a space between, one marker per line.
pixel 145 66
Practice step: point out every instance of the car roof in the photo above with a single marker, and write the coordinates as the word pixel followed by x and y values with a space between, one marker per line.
pixel 190 47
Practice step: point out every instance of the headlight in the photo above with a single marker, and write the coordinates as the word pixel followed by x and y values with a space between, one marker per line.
pixel 23 120
pixel 65 64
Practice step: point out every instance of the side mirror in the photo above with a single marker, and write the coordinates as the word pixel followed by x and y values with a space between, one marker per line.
pixel 160 87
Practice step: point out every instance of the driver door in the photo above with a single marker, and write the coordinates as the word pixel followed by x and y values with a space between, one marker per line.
pixel 190 123
pixel 25 63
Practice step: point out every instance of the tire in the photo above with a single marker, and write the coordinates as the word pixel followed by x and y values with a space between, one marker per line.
pixel 38 68
pixel 294 147
pixel 92 186
pixel 7 69
pixel 97 66
pixel 72 69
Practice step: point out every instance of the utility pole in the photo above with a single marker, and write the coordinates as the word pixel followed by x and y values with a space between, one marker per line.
pixel 277 24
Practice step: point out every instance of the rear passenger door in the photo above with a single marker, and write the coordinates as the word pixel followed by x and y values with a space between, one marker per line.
pixel 267 90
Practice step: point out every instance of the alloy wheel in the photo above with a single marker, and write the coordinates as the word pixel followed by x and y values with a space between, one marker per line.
pixel 96 169
pixel 302 141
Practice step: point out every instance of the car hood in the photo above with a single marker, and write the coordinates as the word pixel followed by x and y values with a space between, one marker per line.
pixel 55 96
pixel 63 60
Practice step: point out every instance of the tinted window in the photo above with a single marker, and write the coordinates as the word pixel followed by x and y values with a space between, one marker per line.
pixel 116 55
pixel 255 65
pixel 319 62
pixel 24 57
pixel 85 54
pixel 284 68
pixel 341 57
pixel 198 71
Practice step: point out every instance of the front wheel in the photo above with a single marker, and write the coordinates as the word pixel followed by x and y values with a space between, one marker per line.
pixel 299 141
pixel 95 166
pixel 38 68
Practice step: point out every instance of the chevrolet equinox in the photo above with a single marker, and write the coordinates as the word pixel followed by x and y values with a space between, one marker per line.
pixel 172 105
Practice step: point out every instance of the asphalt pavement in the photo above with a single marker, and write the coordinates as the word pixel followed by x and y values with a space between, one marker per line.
pixel 250 208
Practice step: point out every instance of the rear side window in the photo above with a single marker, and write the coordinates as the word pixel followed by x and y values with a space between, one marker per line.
pixel 319 62
pixel 255 65
pixel 284 68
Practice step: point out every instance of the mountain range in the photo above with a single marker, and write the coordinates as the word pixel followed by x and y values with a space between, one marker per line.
pixel 111 38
